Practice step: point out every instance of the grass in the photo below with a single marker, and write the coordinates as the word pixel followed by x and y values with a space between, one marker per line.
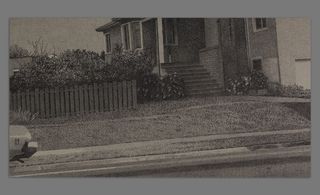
pixel 170 120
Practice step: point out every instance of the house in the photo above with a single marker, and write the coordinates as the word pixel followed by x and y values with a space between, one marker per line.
pixel 206 51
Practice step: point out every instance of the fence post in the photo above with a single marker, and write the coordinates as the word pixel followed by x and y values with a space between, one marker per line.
pixel 42 104
pixel 101 98
pixel 129 86
pixel 27 100
pixel 115 96
pixel 52 103
pixel 105 96
pixel 71 100
pixel 47 103
pixel 120 95
pixel 37 101
pixel 110 97
pixel 91 99
pixel 76 99
pixel 134 94
pixel 124 94
pixel 67 100
pixel 86 98
pixel 23 101
pixel 96 97
pixel 57 101
pixel 32 106
pixel 62 101
pixel 81 103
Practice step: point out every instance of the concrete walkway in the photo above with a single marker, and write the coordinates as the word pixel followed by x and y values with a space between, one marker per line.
pixel 59 158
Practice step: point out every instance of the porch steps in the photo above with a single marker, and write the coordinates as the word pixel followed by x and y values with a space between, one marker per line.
pixel 198 80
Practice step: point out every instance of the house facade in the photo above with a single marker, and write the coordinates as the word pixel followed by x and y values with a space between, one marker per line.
pixel 206 51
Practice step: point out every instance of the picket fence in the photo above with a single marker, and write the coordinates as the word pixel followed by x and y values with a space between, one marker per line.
pixel 76 100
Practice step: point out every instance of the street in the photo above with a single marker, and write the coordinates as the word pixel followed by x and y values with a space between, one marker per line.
pixel 291 161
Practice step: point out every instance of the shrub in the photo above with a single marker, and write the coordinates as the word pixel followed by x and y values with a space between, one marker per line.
pixel 70 67
pixel 128 65
pixel 172 87
pixel 238 86
pixel 258 80
pixel 151 87
pixel 243 83
pixel 276 89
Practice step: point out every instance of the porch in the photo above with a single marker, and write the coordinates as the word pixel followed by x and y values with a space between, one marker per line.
pixel 188 47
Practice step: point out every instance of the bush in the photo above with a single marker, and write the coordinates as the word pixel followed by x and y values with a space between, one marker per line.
pixel 151 87
pixel 276 89
pixel 258 80
pixel 172 87
pixel 243 83
pixel 68 68
pixel 238 86
pixel 128 65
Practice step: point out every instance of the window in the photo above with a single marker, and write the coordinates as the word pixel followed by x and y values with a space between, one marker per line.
pixel 131 35
pixel 108 43
pixel 257 64
pixel 136 35
pixel 260 24
pixel 125 36
pixel 170 31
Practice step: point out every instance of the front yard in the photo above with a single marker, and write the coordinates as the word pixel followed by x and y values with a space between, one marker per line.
pixel 169 119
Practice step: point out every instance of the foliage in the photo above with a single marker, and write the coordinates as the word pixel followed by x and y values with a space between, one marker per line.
pixel 21 117
pixel 129 64
pixel 151 87
pixel 238 86
pixel 71 66
pixel 243 83
pixel 172 87
pixel 258 80
pixel 276 89
pixel 18 52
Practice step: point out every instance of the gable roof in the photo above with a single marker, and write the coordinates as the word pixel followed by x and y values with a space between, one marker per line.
pixel 114 22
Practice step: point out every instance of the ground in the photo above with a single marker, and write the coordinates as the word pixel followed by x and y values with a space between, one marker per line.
pixel 170 119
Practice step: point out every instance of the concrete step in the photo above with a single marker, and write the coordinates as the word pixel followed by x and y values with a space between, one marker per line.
pixel 181 71
pixel 192 75
pixel 206 93
pixel 182 65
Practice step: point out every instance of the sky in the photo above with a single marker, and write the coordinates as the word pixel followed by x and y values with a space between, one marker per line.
pixel 58 33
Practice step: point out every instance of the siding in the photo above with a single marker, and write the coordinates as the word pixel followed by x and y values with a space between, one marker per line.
pixel 263 44
pixel 299 30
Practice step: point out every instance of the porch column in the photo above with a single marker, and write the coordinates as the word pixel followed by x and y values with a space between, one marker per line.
pixel 160 42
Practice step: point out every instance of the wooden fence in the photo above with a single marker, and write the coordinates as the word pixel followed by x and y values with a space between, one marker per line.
pixel 76 100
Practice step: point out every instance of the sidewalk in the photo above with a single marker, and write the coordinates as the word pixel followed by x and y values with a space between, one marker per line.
pixel 59 159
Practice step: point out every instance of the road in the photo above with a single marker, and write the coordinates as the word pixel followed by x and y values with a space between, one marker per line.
pixel 280 161
pixel 290 167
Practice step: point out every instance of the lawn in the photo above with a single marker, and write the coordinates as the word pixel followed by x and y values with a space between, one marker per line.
pixel 172 119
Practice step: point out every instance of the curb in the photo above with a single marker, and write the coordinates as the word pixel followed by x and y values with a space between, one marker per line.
pixel 168 146
pixel 144 164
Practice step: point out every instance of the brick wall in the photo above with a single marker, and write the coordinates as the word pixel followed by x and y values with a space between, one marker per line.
pixel 211 60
